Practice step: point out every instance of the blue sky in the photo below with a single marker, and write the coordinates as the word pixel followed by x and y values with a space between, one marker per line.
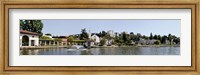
pixel 145 27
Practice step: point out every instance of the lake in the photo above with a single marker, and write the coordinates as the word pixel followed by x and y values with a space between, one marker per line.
pixel 170 50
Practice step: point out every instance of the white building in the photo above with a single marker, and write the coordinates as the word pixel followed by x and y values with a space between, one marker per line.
pixel 150 42
pixel 142 41
pixel 109 42
pixel 28 38
pixel 96 39
pixel 111 33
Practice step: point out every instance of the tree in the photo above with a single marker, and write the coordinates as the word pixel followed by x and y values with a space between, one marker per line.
pixel 103 42
pixel 45 38
pixel 103 34
pixel 32 26
pixel 48 34
pixel 145 37
pixel 132 36
pixel 170 38
pixel 155 37
pixel 177 40
pixel 157 42
pixel 22 27
pixel 131 33
pixel 70 39
pixel 124 37
pixel 159 37
pixel 84 35
pixel 164 38
pixel 151 36
pixel 57 39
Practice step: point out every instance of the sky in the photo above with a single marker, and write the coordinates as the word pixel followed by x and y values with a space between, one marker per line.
pixel 67 27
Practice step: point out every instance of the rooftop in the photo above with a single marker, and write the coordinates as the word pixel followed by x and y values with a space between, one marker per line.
pixel 28 32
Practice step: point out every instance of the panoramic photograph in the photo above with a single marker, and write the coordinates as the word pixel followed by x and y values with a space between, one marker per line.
pixel 100 37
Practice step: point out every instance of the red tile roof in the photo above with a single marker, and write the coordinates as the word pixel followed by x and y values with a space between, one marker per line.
pixel 28 32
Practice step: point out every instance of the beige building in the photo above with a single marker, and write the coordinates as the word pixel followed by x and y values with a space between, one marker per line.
pixel 28 38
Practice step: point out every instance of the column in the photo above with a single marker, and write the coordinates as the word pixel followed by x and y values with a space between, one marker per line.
pixel 57 43
pixel 54 43
pixel 40 43
pixel 45 43
pixel 49 42
pixel 62 43
pixel 29 44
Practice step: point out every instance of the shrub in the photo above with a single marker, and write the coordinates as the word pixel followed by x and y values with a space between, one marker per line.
pixel 157 42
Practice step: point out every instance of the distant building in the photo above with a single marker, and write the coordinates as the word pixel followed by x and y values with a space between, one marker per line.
pixel 142 41
pixel 28 38
pixel 150 42
pixel 63 39
pixel 89 43
pixel 96 39
pixel 54 41
pixel 146 42
pixel 109 42
pixel 111 33
pixel 167 42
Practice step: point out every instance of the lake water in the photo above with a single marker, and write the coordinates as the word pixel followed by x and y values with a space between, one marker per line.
pixel 105 51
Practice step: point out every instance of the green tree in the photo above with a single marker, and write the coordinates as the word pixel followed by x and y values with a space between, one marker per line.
pixel 45 38
pixel 151 36
pixel 124 37
pixel 170 38
pixel 155 37
pixel 102 42
pixel 164 38
pixel 103 34
pixel 32 26
pixel 70 39
pixel 48 34
pixel 84 35
pixel 57 39
pixel 131 33
pixel 22 27
pixel 177 40
pixel 159 37
pixel 157 42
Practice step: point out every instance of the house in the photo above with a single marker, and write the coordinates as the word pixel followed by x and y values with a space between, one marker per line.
pixel 109 42
pixel 142 41
pixel 150 42
pixel 28 38
pixel 167 42
pixel 89 43
pixel 62 40
pixel 111 33
pixel 96 39
pixel 146 42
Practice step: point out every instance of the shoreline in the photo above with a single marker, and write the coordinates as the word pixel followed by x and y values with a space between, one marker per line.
pixel 113 46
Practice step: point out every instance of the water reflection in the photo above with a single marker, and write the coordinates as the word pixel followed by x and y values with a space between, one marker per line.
pixel 105 51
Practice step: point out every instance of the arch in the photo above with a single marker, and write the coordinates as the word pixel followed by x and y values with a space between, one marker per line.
pixel 25 40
